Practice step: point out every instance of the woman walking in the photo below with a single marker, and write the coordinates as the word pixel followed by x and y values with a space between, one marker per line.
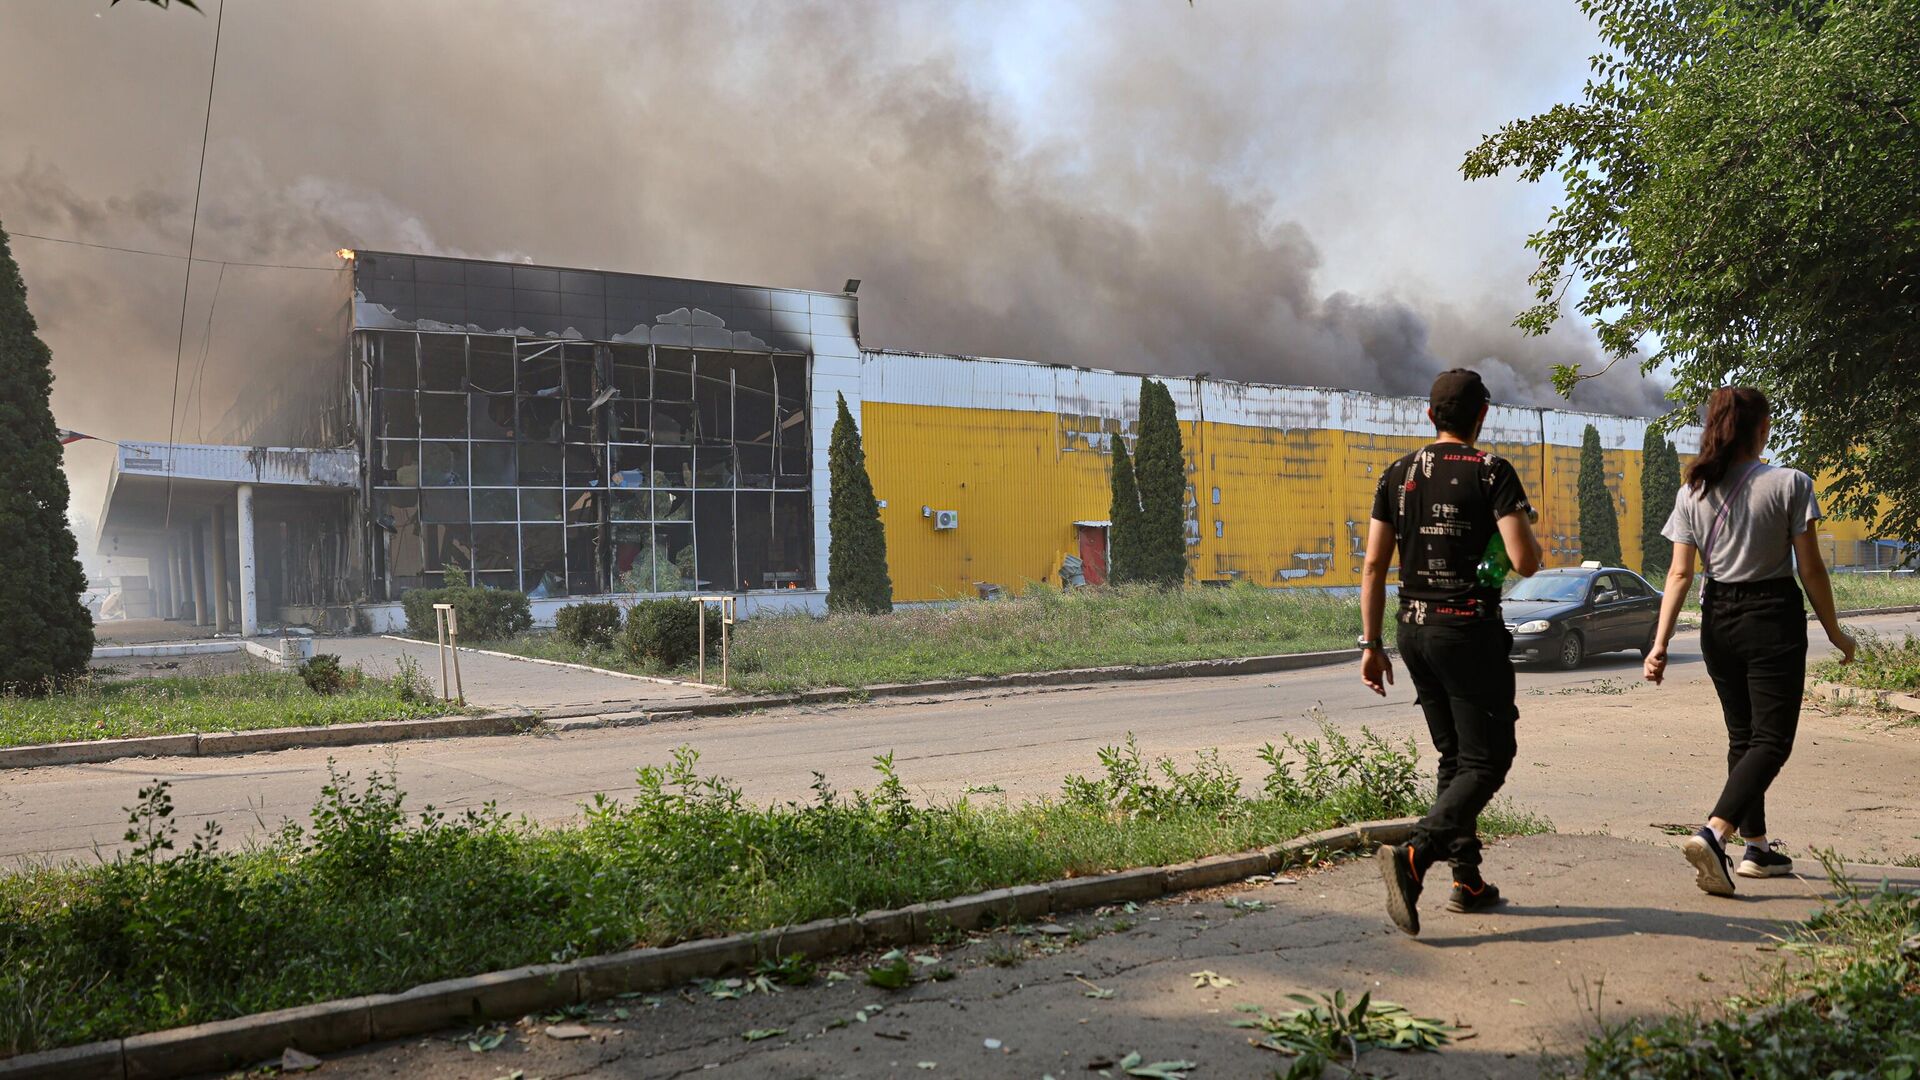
pixel 1751 524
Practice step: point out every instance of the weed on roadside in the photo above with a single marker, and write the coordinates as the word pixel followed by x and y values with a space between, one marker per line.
pixel 1880 663
pixel 1327 1030
pixel 370 895
pixel 1847 1000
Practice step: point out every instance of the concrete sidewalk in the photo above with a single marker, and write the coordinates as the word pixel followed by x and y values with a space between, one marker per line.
pixel 1599 928
pixel 498 681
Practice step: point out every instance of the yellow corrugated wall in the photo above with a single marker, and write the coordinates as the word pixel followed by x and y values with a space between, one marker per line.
pixel 1020 479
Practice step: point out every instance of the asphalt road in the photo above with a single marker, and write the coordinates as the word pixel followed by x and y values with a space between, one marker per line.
pixel 1601 751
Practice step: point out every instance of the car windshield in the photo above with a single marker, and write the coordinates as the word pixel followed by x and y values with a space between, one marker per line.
pixel 1561 587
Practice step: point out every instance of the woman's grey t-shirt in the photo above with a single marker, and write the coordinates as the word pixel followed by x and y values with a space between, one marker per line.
pixel 1755 541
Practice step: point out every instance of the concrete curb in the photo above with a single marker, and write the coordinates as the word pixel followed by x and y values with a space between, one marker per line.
pixel 611 714
pixel 1857 612
pixel 506 722
pixel 332 1026
pixel 1841 694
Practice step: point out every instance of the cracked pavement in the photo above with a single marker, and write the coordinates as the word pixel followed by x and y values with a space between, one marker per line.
pixel 1598 928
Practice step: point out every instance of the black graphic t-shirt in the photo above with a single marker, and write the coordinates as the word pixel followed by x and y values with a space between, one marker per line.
pixel 1443 503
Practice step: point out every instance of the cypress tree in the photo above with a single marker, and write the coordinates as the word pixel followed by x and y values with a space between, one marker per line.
pixel 45 632
pixel 857 578
pixel 1599 521
pixel 1123 536
pixel 1160 471
pixel 1659 483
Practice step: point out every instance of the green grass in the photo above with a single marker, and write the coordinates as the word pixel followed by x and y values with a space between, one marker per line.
pixel 1851 592
pixel 1855 592
pixel 104 708
pixel 1045 630
pixel 1881 663
pixel 1848 1006
pixel 370 898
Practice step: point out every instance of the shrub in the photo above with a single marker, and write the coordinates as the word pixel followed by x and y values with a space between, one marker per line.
pixel 1160 475
pixel 484 614
pixel 667 632
pixel 323 674
pixel 46 635
pixel 857 578
pixel 588 625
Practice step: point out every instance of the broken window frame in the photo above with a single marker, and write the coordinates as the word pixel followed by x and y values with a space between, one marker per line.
pixel 680 492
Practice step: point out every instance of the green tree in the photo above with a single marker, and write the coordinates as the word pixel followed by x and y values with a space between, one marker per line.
pixel 1160 472
pixel 1739 204
pixel 1123 535
pixel 45 632
pixel 857 577
pixel 1599 520
pixel 1659 483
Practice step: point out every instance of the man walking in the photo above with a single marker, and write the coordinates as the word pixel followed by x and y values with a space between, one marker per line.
pixel 1441 506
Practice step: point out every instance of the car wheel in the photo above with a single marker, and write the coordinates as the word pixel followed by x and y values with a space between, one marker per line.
pixel 1572 651
pixel 1647 649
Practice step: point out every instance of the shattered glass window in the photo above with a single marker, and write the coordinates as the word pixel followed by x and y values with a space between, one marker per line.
pixel 569 467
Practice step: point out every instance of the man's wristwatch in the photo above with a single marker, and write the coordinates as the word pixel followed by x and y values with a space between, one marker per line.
pixel 1371 643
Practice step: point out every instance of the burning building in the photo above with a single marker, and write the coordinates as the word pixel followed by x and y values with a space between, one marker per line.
pixel 581 433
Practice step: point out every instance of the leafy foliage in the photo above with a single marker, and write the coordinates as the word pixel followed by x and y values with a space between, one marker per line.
pixel 1124 537
pixel 1160 473
pixel 324 676
pixel 1599 520
pixel 1659 484
pixel 1882 663
pixel 666 633
pixel 1845 1008
pixel 1739 204
pixel 483 614
pixel 857 578
pixel 46 635
pixel 373 897
pixel 590 625
pixel 1328 1029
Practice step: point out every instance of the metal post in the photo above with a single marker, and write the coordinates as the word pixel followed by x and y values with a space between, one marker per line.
pixel 222 622
pixel 726 623
pixel 453 646
pixel 440 641
pixel 446 630
pixel 249 606
pixel 700 605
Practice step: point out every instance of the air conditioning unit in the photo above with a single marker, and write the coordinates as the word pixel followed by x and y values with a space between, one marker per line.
pixel 946 519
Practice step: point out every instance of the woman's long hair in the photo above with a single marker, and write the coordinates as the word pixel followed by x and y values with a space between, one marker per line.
pixel 1734 417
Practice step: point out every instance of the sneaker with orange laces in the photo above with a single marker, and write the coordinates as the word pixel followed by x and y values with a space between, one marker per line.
pixel 1468 898
pixel 1402 878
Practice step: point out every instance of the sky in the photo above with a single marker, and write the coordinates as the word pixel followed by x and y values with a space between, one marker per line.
pixel 1260 189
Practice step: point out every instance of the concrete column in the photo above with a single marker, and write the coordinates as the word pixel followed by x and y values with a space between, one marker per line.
pixel 160 579
pixel 197 556
pixel 249 599
pixel 217 537
pixel 182 579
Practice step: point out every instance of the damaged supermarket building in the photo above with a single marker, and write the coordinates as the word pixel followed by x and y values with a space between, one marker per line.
pixel 573 433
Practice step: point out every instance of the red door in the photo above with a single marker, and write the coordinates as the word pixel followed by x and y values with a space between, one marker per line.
pixel 1093 553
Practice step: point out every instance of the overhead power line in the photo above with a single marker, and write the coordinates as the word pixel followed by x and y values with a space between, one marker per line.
pixel 172 255
pixel 193 233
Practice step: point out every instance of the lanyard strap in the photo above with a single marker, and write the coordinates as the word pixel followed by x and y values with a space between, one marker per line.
pixel 1721 517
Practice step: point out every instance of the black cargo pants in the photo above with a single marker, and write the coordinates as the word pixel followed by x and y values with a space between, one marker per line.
pixel 1465 685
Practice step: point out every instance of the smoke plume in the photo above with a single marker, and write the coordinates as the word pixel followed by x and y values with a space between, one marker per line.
pixel 1258 190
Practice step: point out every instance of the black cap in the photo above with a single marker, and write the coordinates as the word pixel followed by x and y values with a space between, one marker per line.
pixel 1459 390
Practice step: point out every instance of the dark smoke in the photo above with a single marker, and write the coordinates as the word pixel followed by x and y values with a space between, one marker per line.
pixel 1139 208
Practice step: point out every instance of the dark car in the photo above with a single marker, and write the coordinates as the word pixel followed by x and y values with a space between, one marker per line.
pixel 1564 615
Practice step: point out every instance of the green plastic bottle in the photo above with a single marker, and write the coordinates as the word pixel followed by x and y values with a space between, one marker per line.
pixel 1494 564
